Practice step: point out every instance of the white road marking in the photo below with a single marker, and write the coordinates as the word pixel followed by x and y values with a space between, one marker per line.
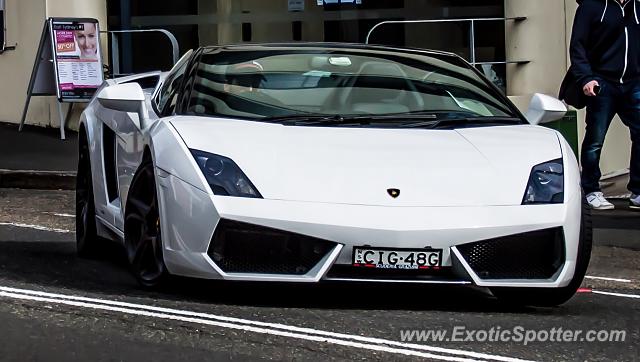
pixel 609 279
pixel 633 296
pixel 59 214
pixel 355 341
pixel 35 227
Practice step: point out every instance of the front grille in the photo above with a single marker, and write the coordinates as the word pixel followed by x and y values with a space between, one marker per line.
pixel 533 255
pixel 239 247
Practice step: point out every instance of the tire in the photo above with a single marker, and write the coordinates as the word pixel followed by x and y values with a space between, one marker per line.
pixel 143 239
pixel 87 240
pixel 550 297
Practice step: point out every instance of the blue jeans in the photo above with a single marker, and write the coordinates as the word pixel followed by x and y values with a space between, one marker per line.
pixel 620 99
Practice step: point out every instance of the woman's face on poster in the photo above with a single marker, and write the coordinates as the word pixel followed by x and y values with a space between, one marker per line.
pixel 87 40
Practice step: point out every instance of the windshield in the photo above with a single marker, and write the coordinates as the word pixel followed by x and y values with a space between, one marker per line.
pixel 266 83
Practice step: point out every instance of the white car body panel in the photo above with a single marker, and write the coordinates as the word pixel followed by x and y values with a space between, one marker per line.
pixel 431 167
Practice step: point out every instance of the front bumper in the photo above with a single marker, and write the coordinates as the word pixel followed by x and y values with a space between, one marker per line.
pixel 190 220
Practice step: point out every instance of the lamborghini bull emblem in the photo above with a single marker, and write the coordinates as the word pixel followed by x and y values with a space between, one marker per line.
pixel 393 193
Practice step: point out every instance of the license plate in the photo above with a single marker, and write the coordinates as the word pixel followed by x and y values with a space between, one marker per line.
pixel 384 258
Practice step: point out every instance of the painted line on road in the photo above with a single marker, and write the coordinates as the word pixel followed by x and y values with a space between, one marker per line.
pixel 633 296
pixel 35 227
pixel 237 326
pixel 309 334
pixel 609 279
pixel 59 214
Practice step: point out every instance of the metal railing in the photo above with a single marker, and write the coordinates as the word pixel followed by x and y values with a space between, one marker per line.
pixel 472 33
pixel 115 45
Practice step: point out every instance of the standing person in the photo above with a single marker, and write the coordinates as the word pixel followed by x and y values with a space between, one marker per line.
pixel 605 60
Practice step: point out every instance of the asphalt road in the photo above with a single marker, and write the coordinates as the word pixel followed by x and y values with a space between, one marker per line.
pixel 55 306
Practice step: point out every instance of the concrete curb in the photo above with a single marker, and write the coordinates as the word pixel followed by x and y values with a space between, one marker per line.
pixel 41 180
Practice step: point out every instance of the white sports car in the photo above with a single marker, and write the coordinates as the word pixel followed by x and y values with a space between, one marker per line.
pixel 332 162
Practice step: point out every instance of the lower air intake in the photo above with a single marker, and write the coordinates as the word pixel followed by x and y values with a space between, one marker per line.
pixel 239 247
pixel 534 255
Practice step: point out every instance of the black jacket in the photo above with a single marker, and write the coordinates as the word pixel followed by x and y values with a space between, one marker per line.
pixel 605 42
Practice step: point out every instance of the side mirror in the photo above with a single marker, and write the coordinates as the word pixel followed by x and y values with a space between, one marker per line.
pixel 127 97
pixel 544 109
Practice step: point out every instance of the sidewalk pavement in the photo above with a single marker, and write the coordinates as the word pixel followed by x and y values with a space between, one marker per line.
pixel 617 228
pixel 37 158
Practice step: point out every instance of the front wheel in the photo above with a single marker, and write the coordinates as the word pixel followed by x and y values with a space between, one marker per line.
pixel 143 238
pixel 549 297
pixel 87 239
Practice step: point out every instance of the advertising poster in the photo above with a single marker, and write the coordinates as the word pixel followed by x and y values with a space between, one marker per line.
pixel 78 60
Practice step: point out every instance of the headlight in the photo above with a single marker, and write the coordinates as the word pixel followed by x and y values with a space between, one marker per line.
pixel 546 184
pixel 224 176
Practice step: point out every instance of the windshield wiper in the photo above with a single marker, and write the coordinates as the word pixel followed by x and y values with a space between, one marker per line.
pixel 423 120
pixel 337 119
pixel 464 121
pixel 311 119
pixel 328 120
pixel 292 117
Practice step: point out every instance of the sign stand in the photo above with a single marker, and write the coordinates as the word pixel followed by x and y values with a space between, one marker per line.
pixel 66 67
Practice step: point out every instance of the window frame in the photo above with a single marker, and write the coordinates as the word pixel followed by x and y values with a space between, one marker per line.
pixel 188 82
pixel 3 26
pixel 183 63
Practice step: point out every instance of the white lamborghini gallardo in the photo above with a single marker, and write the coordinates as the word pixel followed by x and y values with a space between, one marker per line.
pixel 332 162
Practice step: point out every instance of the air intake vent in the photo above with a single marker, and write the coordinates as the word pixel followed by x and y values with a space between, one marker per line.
pixel 533 255
pixel 239 247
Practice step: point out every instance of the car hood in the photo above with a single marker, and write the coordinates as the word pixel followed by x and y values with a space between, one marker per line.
pixel 465 167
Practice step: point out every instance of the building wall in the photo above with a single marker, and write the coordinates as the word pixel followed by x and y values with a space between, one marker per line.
pixel 16 65
pixel 543 39
pixel 25 20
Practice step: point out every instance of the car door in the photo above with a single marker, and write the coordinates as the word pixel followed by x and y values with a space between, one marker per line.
pixel 122 147
pixel 124 137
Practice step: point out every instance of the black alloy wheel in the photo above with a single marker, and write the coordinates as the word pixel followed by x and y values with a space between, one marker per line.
pixel 87 240
pixel 143 238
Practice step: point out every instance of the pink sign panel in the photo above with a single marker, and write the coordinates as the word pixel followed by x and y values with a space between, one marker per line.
pixel 63 36
pixel 66 86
